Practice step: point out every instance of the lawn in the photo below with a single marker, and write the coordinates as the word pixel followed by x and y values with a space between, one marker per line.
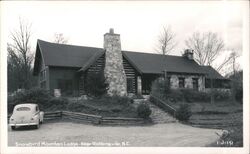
pixel 216 115
pixel 221 115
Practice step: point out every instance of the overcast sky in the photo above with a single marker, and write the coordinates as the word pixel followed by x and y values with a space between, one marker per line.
pixel 139 23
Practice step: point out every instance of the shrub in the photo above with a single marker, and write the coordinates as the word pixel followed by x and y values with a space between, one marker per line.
pixel 36 95
pixel 107 106
pixel 190 95
pixel 115 99
pixel 57 104
pixel 183 113
pixel 160 88
pixel 76 106
pixel 175 95
pixel 96 84
pixel 138 96
pixel 143 110
pixel 220 95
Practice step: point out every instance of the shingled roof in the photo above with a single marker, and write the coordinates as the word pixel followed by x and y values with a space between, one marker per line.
pixel 145 63
pixel 212 73
pixel 157 63
pixel 66 55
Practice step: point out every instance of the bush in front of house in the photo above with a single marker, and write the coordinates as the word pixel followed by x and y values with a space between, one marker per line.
pixel 115 99
pixel 137 96
pixel 55 104
pixel 143 110
pixel 175 95
pixel 96 84
pixel 160 88
pixel 183 113
pixel 220 95
pixel 107 106
pixel 190 95
pixel 36 95
pixel 77 106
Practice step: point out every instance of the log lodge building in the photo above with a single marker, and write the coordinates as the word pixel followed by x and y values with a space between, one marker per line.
pixel 66 67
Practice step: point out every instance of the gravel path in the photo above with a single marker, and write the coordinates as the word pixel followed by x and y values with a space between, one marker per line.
pixel 73 134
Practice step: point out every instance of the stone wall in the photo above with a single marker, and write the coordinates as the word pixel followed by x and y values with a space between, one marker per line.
pixel 114 71
pixel 174 81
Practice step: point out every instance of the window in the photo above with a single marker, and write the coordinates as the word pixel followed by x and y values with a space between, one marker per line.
pixel 195 84
pixel 23 109
pixel 181 82
pixel 37 109
pixel 130 85
pixel 207 83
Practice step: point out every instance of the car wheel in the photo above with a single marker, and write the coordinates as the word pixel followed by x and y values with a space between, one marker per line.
pixel 13 127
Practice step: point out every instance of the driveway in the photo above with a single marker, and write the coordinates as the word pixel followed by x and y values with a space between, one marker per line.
pixel 74 134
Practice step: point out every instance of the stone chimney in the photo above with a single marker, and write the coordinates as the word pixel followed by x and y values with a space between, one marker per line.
pixel 189 54
pixel 114 71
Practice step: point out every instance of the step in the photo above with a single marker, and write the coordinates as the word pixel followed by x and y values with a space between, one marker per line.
pixel 160 116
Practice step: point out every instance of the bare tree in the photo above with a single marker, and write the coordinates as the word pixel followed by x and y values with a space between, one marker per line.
pixel 166 42
pixel 20 57
pixel 230 60
pixel 59 38
pixel 207 47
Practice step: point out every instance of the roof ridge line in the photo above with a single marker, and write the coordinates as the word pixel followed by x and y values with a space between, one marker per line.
pixel 38 40
pixel 151 53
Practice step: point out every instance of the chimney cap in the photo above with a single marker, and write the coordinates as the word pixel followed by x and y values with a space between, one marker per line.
pixel 111 30
pixel 189 51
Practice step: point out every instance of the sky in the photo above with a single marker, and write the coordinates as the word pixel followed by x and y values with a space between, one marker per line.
pixel 139 23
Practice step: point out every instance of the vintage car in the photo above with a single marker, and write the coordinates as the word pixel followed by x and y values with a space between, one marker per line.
pixel 26 115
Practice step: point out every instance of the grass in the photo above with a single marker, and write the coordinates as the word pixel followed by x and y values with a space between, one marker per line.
pixel 217 107
pixel 217 115
pixel 225 115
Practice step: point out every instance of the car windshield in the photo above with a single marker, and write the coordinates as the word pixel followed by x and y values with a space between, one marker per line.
pixel 23 109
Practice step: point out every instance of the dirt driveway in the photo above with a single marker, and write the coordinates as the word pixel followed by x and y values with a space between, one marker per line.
pixel 73 134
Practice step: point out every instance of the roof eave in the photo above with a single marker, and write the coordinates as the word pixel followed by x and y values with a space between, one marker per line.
pixel 131 62
pixel 91 62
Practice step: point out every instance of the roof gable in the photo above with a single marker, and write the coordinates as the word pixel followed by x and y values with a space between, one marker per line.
pixel 91 61
pixel 66 55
